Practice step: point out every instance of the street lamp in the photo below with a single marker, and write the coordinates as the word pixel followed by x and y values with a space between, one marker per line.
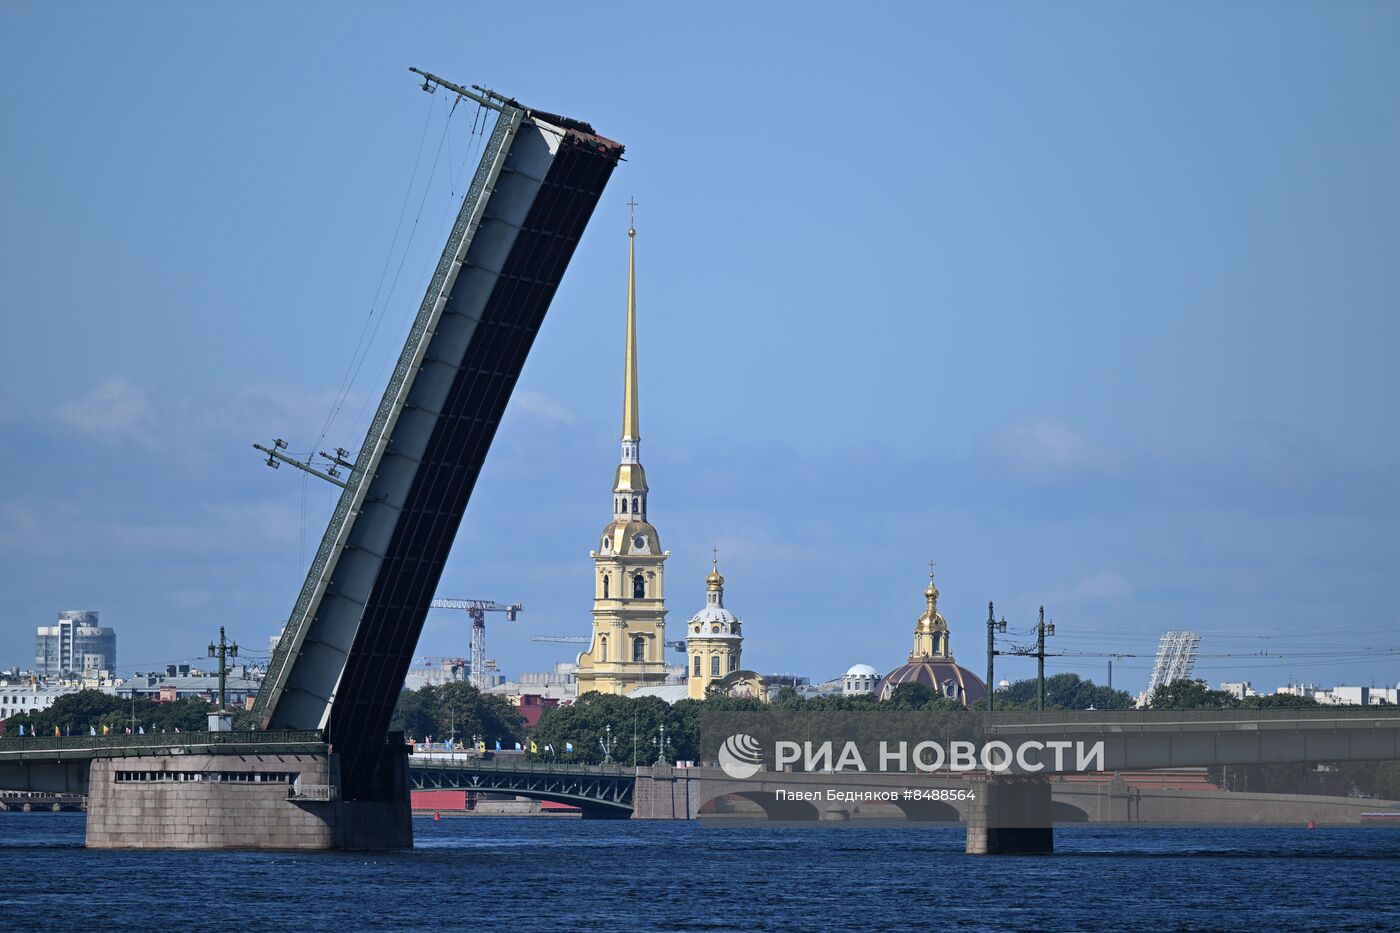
pixel 660 745
pixel 607 745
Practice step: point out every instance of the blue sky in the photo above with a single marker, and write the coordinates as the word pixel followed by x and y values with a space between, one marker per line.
pixel 1092 303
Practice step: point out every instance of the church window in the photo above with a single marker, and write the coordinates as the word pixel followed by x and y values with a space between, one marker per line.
pixel 697 665
pixel 639 587
pixel 634 504
pixel 733 663
pixel 639 648
pixel 714 665
pixel 605 586
pixel 624 504
pixel 603 648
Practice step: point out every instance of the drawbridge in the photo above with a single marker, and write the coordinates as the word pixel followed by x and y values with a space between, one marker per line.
pixel 347 646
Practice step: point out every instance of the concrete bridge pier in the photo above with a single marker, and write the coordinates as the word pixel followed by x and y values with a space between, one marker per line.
pixel 261 801
pixel 1010 815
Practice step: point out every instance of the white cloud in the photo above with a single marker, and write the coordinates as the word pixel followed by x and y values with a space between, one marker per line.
pixel 1045 446
pixel 1101 587
pixel 542 406
pixel 115 407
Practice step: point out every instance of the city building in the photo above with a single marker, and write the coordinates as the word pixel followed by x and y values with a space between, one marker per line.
pixel 75 645
pixel 32 697
pixel 564 674
pixel 179 681
pixel 1343 695
pixel 1239 689
pixel 714 641
pixel 931 661
pixel 628 646
pixel 860 680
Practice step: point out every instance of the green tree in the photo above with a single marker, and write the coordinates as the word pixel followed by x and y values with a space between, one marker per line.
pixel 78 713
pixel 1278 701
pixel 1191 694
pixel 635 726
pixel 1063 691
pixel 458 709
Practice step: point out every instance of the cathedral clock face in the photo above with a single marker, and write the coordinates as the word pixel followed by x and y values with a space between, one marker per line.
pixel 639 541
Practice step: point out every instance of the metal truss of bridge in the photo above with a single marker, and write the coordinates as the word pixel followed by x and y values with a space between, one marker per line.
pixel 600 791
pixel 350 638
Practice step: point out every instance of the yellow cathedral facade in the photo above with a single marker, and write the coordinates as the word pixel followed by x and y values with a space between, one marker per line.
pixel 627 650
pixel 628 647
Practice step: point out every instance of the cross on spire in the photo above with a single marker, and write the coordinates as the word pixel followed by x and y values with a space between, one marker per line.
pixel 714 556
pixel 632 212
pixel 930 571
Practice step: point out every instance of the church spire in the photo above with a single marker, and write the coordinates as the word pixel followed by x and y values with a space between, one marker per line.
pixel 931 631
pixel 631 421
pixel 630 485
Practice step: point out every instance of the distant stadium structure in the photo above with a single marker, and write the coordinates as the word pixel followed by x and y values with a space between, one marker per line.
pixel 1176 658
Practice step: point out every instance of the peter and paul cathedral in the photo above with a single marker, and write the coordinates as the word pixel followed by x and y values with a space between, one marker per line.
pixel 628 647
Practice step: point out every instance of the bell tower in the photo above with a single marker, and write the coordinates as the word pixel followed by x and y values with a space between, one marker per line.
pixel 628 649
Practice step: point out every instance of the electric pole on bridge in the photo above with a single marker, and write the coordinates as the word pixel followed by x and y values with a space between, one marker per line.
pixel 1041 630
pixel 223 651
pixel 992 628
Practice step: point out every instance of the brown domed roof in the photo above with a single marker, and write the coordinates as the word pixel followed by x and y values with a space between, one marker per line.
pixel 936 674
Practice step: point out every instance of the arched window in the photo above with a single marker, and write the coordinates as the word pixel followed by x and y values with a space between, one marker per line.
pixel 603 648
pixel 639 587
pixel 714 665
pixel 639 648
pixel 697 665
pixel 624 504
pixel 634 504
pixel 605 586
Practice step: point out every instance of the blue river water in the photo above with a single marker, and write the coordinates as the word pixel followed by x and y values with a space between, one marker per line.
pixel 542 873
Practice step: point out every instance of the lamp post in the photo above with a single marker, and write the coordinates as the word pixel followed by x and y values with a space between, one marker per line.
pixel 606 744
pixel 992 628
pixel 660 744
pixel 223 651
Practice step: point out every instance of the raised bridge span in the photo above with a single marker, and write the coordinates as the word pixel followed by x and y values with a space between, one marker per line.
pixel 341 662
pixel 349 640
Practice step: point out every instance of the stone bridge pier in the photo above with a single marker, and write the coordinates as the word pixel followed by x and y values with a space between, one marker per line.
pixel 258 801
pixel 1010 815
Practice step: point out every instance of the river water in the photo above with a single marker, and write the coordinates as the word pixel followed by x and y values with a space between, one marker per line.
pixel 543 873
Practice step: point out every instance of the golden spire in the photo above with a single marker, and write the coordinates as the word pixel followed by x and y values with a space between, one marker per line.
pixel 631 422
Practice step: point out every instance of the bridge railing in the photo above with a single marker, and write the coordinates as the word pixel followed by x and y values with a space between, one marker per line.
pixel 1139 716
pixel 39 743
pixel 518 767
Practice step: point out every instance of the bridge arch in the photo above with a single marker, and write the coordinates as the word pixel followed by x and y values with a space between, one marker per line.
pixel 929 811
pixel 767 801
pixel 1061 812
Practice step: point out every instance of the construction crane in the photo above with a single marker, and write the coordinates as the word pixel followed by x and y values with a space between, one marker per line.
pixel 587 639
pixel 477 609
